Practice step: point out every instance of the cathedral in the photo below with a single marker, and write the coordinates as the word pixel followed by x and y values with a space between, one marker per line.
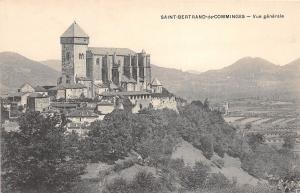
pixel 118 69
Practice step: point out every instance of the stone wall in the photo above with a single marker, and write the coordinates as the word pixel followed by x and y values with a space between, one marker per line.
pixel 74 93
pixel 164 102
pixel 42 104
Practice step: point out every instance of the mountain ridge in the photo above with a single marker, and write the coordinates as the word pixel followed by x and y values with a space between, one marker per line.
pixel 247 77
pixel 16 70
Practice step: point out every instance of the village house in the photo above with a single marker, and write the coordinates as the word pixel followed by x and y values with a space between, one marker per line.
pixel 70 91
pixel 63 106
pixel 38 102
pixel 104 108
pixel 80 119
pixel 26 88
pixel 41 90
pixel 156 86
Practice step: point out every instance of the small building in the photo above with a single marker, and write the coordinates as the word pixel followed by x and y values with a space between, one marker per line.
pixel 100 88
pixel 63 106
pixel 88 84
pixel 38 102
pixel 41 90
pixel 113 87
pixel 139 99
pixel 128 84
pixel 156 86
pixel 82 115
pixel 104 108
pixel 14 98
pixel 26 88
pixel 70 91
pixel 51 91
pixel 80 119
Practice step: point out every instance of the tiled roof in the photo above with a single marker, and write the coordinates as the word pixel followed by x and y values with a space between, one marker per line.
pixel 156 82
pixel 128 80
pixel 105 103
pixel 81 113
pixel 74 31
pixel 40 89
pixel 83 79
pixel 74 105
pixel 36 95
pixel 68 86
pixel 111 51
pixel 25 85
pixel 48 87
pixel 18 94
pixel 125 93
pixel 113 86
pixel 101 85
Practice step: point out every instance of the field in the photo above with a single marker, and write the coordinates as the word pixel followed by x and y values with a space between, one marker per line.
pixel 274 119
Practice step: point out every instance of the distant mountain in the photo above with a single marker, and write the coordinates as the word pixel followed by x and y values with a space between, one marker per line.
pixel 247 77
pixel 16 69
pixel 55 64
pixel 193 71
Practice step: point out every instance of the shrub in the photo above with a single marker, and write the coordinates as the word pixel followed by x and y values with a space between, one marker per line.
pixel 207 146
pixel 217 180
pixel 143 182
pixel 219 150
pixel 119 185
pixel 193 178
pixel 37 157
pixel 123 165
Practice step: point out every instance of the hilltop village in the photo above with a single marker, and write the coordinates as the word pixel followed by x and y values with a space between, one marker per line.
pixel 241 145
pixel 94 81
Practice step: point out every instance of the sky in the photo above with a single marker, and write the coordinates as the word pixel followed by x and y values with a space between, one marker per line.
pixel 33 27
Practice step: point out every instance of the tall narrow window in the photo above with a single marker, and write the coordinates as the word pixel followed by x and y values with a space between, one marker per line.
pixel 81 56
pixel 98 61
pixel 68 56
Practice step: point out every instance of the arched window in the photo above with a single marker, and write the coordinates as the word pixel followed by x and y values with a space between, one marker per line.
pixel 81 56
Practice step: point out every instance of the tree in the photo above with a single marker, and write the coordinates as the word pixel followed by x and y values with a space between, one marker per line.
pixel 206 104
pixel 207 146
pixel 289 142
pixel 34 159
pixel 255 139
pixel 193 178
pixel 248 126
pixel 110 139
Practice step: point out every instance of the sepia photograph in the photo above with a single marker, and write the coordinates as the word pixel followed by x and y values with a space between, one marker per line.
pixel 144 96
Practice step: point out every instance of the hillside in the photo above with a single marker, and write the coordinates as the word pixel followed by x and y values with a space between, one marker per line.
pixel 231 169
pixel 16 70
pixel 55 64
pixel 247 77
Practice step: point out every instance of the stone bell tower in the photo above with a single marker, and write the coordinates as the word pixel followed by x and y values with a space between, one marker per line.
pixel 74 43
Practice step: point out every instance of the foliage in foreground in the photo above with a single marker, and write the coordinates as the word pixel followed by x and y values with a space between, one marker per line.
pixel 37 158
pixel 155 133
pixel 196 179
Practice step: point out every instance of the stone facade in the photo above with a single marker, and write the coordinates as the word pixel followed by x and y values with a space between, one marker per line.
pixel 164 102
pixel 37 102
pixel 26 88
pixel 104 65
pixel 71 91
